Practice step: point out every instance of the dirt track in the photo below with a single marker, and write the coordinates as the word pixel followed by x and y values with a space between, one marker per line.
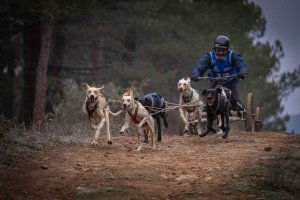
pixel 180 168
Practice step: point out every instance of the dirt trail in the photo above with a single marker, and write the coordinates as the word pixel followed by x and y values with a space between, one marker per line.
pixel 180 168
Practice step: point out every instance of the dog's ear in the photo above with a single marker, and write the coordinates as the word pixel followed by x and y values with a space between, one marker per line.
pixel 136 98
pixel 219 90
pixel 204 92
pixel 188 79
pixel 129 92
pixel 85 86
pixel 100 88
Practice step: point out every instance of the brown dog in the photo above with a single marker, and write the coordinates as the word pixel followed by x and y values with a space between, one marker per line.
pixel 95 106
pixel 137 114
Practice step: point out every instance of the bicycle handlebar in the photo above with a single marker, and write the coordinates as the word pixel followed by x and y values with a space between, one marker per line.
pixel 217 78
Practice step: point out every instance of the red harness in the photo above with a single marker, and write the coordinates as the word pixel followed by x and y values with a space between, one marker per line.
pixel 133 117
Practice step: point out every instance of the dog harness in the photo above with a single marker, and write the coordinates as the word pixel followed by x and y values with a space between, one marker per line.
pixel 188 98
pixel 218 105
pixel 134 116
pixel 90 112
pixel 154 96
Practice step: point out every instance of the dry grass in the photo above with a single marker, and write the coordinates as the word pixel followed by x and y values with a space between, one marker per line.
pixel 284 171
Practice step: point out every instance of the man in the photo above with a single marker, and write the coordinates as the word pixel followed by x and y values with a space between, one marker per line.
pixel 222 61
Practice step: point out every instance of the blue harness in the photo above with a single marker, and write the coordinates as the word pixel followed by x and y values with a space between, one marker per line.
pixel 152 97
pixel 220 68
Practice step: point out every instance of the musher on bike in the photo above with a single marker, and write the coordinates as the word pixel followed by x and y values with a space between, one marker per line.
pixel 223 62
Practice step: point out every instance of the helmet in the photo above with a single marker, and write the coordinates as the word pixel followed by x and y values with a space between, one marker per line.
pixel 221 41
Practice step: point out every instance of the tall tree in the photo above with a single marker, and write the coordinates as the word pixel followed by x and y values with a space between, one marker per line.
pixel 38 27
pixel 9 56
pixel 31 37
pixel 41 74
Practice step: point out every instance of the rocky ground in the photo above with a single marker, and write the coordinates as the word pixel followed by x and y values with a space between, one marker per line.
pixel 244 166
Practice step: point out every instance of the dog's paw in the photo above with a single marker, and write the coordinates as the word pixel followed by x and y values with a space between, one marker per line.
pixel 220 132
pixel 94 143
pixel 204 134
pixel 212 130
pixel 225 136
pixel 109 142
pixel 138 148
pixel 185 131
pixel 226 133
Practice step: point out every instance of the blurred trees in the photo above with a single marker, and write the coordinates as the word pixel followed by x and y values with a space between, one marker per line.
pixel 151 44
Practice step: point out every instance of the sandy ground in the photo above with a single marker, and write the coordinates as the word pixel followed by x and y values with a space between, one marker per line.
pixel 180 168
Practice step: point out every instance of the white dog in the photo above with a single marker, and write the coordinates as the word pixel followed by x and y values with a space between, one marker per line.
pixel 137 114
pixel 191 106
pixel 95 106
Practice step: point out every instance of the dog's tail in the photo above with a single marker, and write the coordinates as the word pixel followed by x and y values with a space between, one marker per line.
pixel 115 114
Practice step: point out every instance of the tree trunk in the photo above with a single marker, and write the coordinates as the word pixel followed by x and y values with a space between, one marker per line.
pixel 41 75
pixel 8 57
pixel 54 93
pixel 31 37
pixel 7 67
pixel 9 104
pixel 57 53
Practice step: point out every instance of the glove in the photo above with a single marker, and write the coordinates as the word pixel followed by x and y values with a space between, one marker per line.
pixel 195 78
pixel 241 76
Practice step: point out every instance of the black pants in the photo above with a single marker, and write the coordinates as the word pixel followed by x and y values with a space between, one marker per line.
pixel 234 92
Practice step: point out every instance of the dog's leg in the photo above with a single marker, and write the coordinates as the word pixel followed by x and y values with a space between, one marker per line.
pixel 109 139
pixel 145 136
pixel 95 143
pixel 210 118
pixel 219 121
pixel 227 129
pixel 143 121
pixel 222 122
pixel 126 124
pixel 157 118
pixel 220 132
pixel 150 123
pixel 199 116
pixel 92 124
pixel 152 133
pixel 138 132
pixel 184 119
pixel 163 116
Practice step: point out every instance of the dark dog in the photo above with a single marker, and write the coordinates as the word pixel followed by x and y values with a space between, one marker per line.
pixel 153 102
pixel 217 103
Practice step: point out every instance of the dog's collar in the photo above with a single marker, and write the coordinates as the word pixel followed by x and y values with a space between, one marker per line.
pixel 218 105
pixel 134 115
pixel 187 99
pixel 89 110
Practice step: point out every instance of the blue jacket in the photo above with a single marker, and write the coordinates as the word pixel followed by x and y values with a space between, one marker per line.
pixel 233 64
